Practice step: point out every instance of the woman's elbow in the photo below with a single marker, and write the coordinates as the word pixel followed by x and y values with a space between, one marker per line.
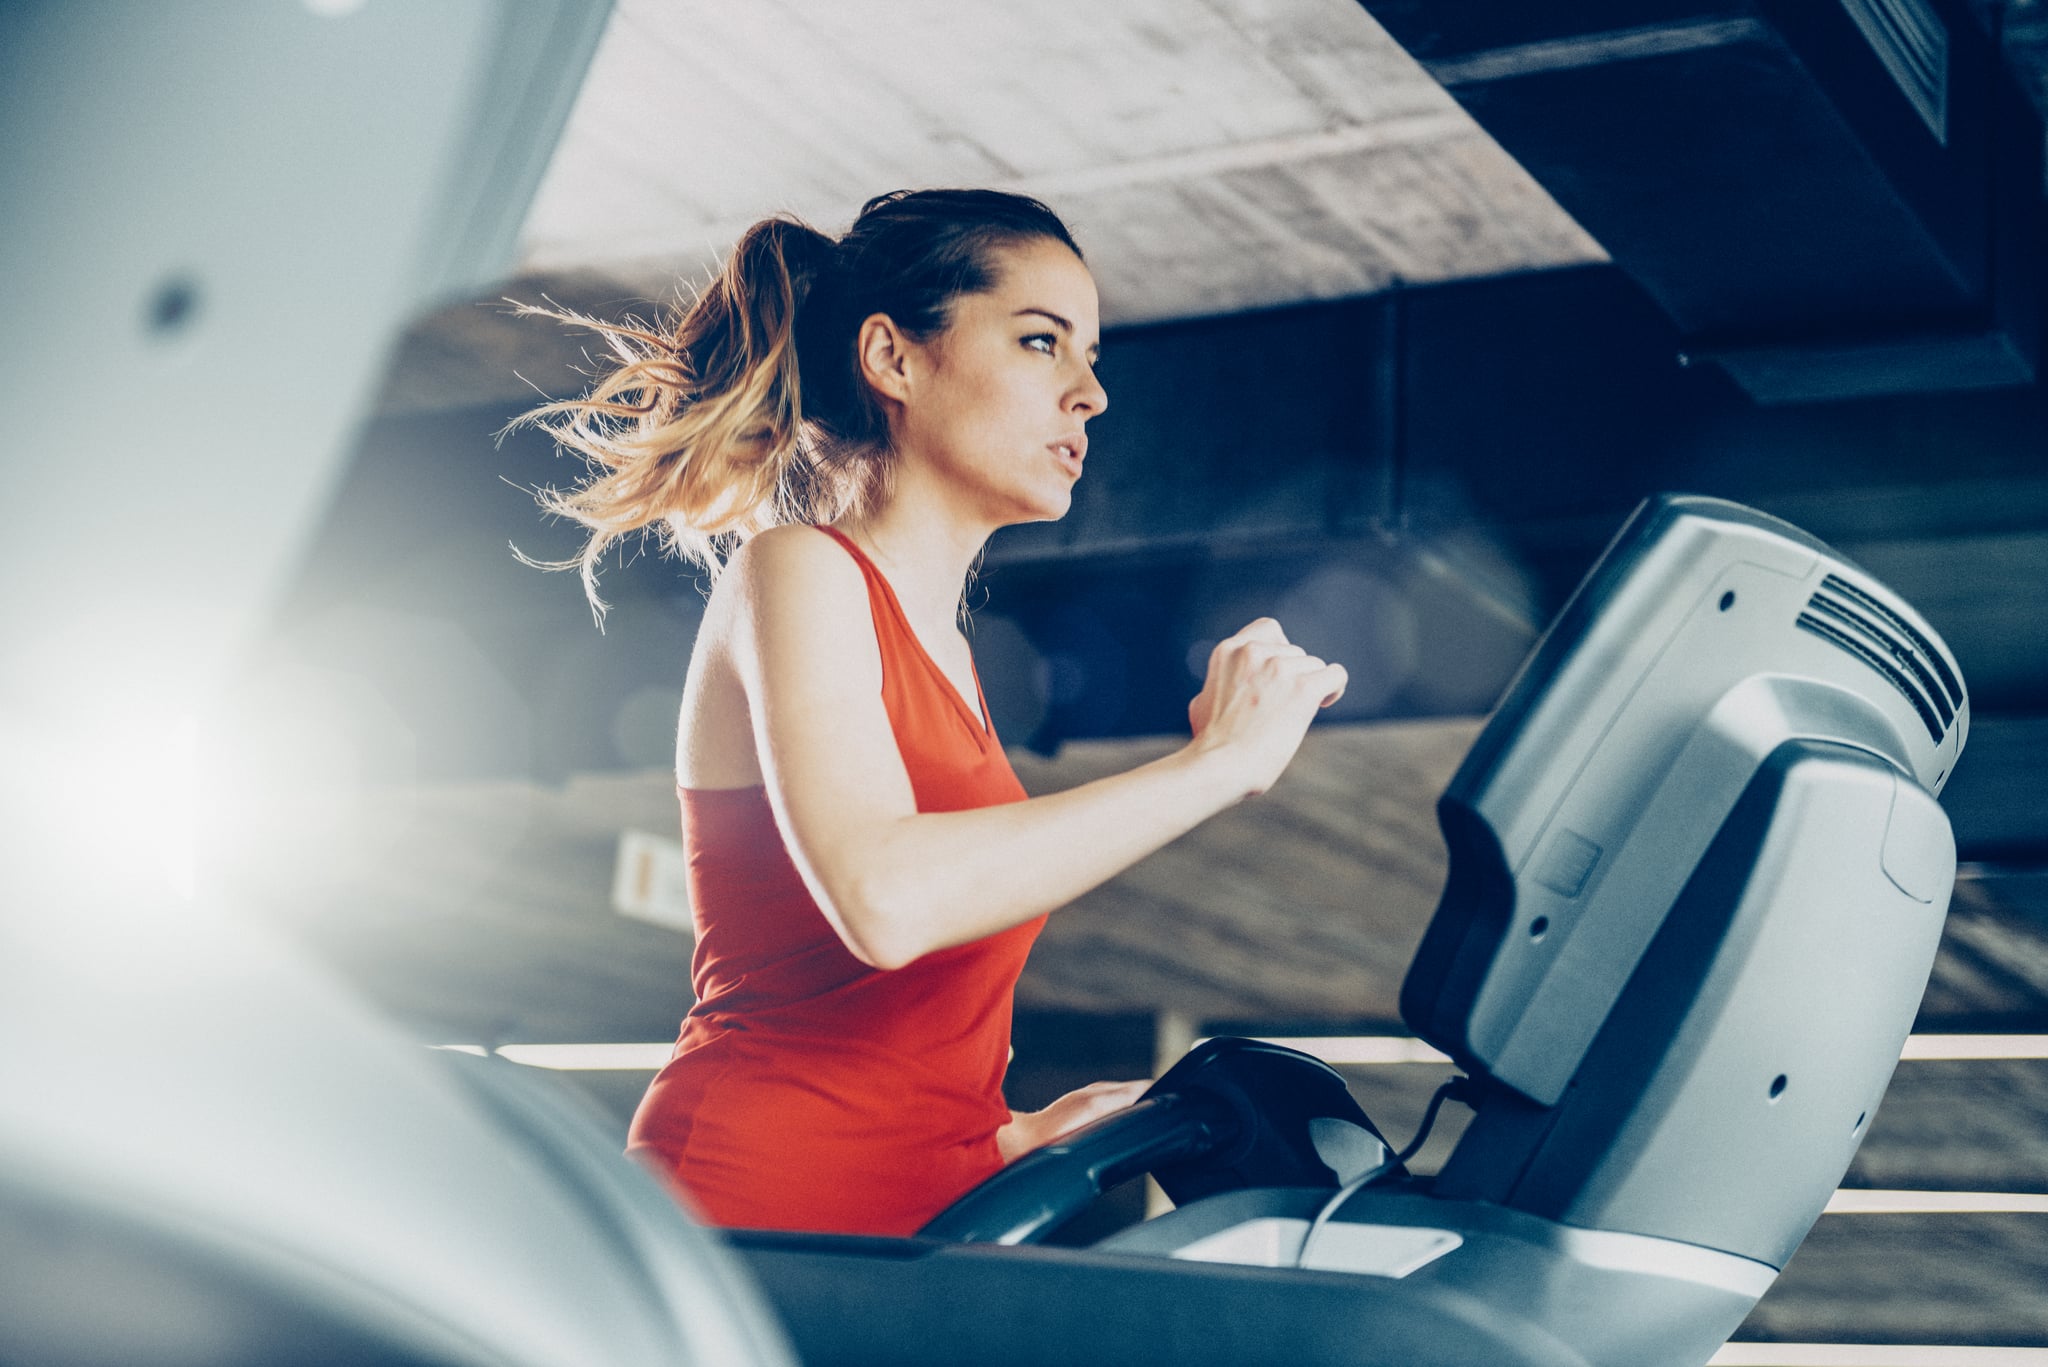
pixel 880 951
pixel 883 958
pixel 877 934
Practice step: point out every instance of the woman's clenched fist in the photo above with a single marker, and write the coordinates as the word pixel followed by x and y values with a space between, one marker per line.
pixel 1261 693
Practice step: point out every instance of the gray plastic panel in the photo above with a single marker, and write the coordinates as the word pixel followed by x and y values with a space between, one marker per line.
pixel 904 1303
pixel 1616 1299
pixel 1619 1300
pixel 1723 1101
pixel 1614 757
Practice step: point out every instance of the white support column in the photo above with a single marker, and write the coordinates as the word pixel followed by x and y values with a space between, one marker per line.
pixel 1173 1034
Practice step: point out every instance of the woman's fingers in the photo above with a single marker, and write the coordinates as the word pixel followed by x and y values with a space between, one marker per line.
pixel 1259 655
pixel 1085 1105
pixel 1230 658
pixel 1336 678
pixel 1289 666
pixel 1261 693
pixel 1256 637
pixel 1261 629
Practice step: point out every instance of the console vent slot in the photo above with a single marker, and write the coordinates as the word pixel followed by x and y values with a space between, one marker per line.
pixel 1853 620
pixel 1912 42
pixel 1923 649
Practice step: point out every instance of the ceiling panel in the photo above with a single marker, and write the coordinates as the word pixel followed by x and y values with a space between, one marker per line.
pixel 1212 157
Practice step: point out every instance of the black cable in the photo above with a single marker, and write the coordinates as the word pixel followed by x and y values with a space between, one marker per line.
pixel 1458 1089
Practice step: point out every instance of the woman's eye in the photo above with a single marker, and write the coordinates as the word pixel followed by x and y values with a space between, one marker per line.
pixel 1042 341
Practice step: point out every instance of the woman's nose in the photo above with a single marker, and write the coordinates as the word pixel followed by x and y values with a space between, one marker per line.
pixel 1089 396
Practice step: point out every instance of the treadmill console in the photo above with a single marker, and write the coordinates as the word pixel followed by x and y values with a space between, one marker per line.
pixel 1707 636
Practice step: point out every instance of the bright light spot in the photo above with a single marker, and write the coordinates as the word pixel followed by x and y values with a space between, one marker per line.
pixel 117 803
pixel 476 1049
pixel 178 830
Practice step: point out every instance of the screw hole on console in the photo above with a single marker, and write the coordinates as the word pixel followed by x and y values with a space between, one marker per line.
pixel 1777 1086
pixel 1940 776
pixel 1861 1116
pixel 1538 926
pixel 172 307
pixel 1728 600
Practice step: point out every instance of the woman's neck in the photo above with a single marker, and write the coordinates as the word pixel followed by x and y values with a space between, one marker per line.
pixel 925 547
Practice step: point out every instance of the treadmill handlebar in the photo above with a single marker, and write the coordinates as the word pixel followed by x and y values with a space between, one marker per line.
pixel 1049 1185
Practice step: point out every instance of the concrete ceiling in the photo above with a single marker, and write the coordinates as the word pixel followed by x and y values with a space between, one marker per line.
pixel 1212 158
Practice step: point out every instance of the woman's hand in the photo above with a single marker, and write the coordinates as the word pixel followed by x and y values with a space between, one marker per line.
pixel 1260 695
pixel 1030 1130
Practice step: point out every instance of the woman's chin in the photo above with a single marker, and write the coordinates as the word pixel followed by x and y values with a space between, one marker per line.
pixel 1055 508
pixel 1041 506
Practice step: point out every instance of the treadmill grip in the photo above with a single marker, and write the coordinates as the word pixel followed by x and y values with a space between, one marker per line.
pixel 1049 1186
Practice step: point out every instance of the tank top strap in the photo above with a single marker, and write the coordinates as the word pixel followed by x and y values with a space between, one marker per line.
pixel 881 596
pixel 903 653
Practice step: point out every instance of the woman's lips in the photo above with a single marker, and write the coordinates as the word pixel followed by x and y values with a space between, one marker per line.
pixel 1072 451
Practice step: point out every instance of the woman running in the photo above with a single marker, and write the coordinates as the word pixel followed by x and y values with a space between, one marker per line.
pixel 833 430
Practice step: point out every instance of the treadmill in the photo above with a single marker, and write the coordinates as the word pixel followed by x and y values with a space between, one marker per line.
pixel 1697 879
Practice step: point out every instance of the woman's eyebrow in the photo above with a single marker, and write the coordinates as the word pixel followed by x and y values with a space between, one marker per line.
pixel 1062 324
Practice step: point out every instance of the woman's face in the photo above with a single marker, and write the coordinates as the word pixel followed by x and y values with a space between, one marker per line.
pixel 996 407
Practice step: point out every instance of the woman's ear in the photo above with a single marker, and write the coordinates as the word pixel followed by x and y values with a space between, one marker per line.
pixel 884 353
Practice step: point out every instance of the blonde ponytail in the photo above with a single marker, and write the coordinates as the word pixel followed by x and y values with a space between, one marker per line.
pixel 700 433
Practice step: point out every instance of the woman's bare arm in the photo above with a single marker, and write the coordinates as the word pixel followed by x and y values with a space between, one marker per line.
pixel 897 884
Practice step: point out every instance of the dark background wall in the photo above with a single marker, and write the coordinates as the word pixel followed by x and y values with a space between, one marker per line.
pixel 1412 481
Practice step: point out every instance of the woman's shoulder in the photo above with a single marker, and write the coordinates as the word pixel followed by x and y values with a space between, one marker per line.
pixel 790 539
pixel 796 566
pixel 798 604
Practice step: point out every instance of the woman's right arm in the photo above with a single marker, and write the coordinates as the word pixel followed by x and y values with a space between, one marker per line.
pixel 896 883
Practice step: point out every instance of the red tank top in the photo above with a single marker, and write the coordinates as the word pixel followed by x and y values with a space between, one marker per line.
pixel 808 1090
